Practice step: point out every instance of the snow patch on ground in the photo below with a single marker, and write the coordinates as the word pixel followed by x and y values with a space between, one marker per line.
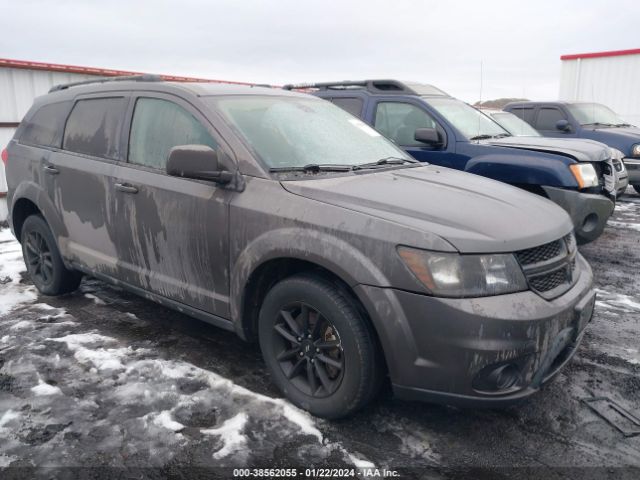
pixel 12 292
pixel 97 301
pixel 230 432
pixel 630 226
pixel 616 301
pixel 43 389
pixel 163 419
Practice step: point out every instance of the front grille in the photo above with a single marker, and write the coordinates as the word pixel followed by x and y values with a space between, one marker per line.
pixel 550 269
pixel 539 254
pixel 617 165
pixel 550 281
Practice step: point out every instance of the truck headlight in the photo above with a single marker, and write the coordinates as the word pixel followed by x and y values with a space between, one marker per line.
pixel 635 150
pixel 455 275
pixel 585 174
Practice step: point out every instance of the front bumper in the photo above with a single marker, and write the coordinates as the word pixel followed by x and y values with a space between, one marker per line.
pixel 633 169
pixel 589 212
pixel 440 349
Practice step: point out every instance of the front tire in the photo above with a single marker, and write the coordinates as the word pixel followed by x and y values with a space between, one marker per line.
pixel 636 188
pixel 321 352
pixel 43 260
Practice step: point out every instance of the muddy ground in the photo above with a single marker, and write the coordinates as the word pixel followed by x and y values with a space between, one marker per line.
pixel 102 383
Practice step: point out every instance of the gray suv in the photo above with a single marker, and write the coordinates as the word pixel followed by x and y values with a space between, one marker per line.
pixel 283 218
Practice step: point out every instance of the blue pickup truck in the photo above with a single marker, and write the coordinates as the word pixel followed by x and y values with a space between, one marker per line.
pixel 434 127
pixel 585 120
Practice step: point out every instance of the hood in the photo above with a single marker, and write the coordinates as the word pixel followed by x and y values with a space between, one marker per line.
pixel 579 149
pixel 622 138
pixel 472 213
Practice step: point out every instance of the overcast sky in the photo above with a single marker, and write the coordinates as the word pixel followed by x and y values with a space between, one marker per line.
pixel 281 41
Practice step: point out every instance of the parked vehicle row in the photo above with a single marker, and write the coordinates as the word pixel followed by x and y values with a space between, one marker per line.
pixel 282 217
pixel 519 128
pixel 589 121
pixel 434 127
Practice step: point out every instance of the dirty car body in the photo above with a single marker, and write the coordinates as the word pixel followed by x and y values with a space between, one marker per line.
pixel 470 291
pixel 434 127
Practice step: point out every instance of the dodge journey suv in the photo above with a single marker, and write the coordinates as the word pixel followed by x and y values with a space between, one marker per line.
pixel 281 217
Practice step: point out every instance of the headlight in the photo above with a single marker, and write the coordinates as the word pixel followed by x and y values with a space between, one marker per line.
pixel 454 275
pixel 615 153
pixel 635 150
pixel 585 174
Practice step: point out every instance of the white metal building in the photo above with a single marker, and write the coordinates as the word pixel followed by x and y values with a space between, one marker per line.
pixel 611 78
pixel 21 81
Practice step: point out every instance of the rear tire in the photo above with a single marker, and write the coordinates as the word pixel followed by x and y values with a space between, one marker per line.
pixel 321 352
pixel 43 260
pixel 636 188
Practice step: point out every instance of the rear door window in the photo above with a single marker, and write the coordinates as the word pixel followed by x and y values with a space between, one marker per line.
pixel 158 126
pixel 399 122
pixel 44 128
pixel 548 117
pixel 349 104
pixel 95 126
pixel 525 113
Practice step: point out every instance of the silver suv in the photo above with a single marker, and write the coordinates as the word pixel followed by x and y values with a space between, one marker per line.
pixel 283 218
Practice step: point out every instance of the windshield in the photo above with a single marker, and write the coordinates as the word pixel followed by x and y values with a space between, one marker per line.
pixel 472 123
pixel 595 113
pixel 297 131
pixel 514 125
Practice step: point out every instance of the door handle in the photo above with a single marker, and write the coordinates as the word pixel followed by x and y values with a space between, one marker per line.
pixel 126 188
pixel 51 170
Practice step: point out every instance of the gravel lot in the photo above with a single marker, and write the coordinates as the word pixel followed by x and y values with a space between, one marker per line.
pixel 102 378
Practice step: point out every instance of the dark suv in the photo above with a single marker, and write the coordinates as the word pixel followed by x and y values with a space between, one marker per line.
pixel 592 121
pixel 434 127
pixel 281 217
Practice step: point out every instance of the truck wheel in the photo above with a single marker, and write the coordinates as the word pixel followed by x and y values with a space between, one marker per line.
pixel 636 188
pixel 321 352
pixel 43 261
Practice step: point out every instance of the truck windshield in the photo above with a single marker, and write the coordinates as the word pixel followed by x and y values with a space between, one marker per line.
pixel 514 125
pixel 472 123
pixel 595 114
pixel 289 132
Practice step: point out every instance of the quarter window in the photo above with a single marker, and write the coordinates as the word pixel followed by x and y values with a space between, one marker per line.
pixel 95 126
pixel 351 105
pixel 548 117
pixel 399 122
pixel 44 128
pixel 158 126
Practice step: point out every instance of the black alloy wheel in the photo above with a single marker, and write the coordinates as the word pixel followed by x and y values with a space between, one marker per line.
pixel 309 350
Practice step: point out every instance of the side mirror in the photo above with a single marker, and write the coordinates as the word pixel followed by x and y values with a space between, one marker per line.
pixel 429 136
pixel 196 161
pixel 563 126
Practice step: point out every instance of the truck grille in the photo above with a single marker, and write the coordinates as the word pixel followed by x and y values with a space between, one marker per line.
pixel 550 269
pixel 618 165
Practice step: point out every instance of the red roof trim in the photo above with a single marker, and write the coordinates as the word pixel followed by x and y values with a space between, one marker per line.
pixel 611 53
pixel 103 72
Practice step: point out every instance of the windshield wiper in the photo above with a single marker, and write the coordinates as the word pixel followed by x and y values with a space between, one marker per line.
pixel 385 161
pixel 481 137
pixel 623 125
pixel 599 124
pixel 502 135
pixel 313 168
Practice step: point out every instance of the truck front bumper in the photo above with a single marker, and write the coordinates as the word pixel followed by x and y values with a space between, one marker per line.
pixel 589 212
pixel 633 169
pixel 486 351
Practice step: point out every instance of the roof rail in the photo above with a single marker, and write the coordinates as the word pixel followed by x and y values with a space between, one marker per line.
pixel 374 86
pixel 131 78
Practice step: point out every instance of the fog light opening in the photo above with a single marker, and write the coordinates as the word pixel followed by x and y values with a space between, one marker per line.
pixel 504 377
pixel 497 379
pixel 590 222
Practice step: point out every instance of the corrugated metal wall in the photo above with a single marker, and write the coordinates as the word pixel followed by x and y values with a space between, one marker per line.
pixel 611 80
